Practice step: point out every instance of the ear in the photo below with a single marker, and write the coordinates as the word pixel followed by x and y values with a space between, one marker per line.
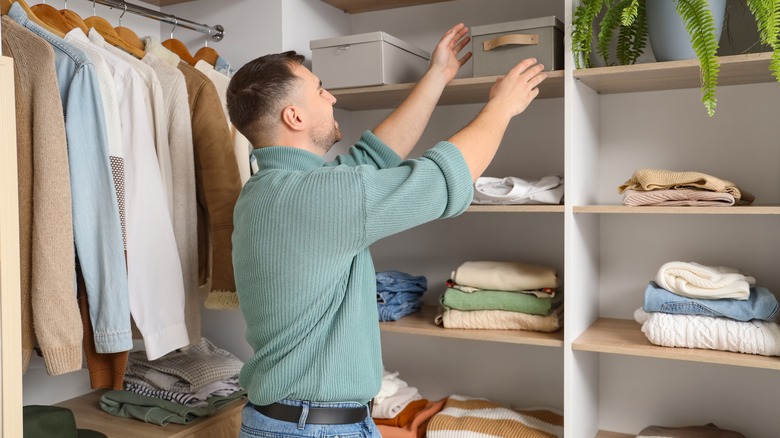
pixel 293 118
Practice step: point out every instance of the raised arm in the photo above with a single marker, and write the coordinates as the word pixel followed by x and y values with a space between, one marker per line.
pixel 403 127
pixel 510 95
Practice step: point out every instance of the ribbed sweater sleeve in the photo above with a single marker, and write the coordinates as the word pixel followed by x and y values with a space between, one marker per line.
pixel 437 185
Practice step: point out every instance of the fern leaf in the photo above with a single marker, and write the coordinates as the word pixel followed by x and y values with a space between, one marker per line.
pixel 767 15
pixel 630 12
pixel 701 27
pixel 610 22
pixel 582 30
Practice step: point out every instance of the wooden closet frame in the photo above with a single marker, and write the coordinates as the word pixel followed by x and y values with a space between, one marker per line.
pixel 10 301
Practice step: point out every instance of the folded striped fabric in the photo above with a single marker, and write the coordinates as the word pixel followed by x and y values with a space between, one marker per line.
pixel 468 417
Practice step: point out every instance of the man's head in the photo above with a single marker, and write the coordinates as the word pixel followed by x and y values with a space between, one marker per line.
pixel 275 100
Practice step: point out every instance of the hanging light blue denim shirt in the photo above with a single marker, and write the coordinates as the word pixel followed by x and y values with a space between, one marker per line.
pixel 761 304
pixel 96 227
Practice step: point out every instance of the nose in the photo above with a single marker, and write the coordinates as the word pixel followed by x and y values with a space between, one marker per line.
pixel 331 97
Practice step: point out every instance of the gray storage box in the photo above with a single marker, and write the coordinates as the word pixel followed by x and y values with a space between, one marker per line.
pixel 373 58
pixel 499 47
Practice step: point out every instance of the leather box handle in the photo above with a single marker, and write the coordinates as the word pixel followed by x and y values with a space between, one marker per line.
pixel 503 40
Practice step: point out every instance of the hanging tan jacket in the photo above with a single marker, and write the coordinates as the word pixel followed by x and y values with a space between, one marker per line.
pixel 218 186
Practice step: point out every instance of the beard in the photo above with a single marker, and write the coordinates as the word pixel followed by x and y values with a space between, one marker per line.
pixel 325 141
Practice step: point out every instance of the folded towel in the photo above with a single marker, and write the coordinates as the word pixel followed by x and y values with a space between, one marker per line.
pixel 418 426
pixel 694 280
pixel 508 276
pixel 655 179
pixel 696 331
pixel 469 417
pixel 512 190
pixel 674 198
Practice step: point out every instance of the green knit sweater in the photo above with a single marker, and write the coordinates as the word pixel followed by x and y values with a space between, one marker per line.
pixel 306 282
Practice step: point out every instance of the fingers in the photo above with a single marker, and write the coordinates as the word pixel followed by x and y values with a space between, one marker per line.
pixel 464 59
pixel 522 66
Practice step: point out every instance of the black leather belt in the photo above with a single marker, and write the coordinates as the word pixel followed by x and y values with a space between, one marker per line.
pixel 292 414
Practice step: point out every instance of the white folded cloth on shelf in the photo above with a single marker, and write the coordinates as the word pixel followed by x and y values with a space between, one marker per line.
pixel 513 190
pixel 508 276
pixel 697 331
pixel 394 404
pixel 693 280
pixel 390 385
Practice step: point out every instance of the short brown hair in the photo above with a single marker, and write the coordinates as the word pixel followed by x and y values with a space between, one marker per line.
pixel 257 89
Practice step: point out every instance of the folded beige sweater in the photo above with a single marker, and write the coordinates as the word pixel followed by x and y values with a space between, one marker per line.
pixel 656 179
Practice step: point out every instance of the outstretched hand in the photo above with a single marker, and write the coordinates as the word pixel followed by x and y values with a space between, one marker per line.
pixel 515 91
pixel 445 55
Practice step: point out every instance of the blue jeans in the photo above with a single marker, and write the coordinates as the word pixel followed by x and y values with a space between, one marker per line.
pixel 256 425
pixel 761 304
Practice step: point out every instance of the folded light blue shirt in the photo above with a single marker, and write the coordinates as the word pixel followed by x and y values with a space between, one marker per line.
pixel 761 304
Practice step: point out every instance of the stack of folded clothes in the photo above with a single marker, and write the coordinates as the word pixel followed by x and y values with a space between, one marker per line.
pixel 668 188
pixel 400 411
pixel 398 294
pixel 711 307
pixel 502 296
pixel 465 416
pixel 178 387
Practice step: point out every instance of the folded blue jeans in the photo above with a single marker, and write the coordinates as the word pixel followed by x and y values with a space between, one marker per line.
pixel 761 304
pixel 256 425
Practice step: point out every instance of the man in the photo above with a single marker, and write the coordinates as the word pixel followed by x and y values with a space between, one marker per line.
pixel 303 227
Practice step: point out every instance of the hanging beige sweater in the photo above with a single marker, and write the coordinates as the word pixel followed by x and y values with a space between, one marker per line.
pixel 218 187
pixel 47 253
pixel 184 213
pixel 655 179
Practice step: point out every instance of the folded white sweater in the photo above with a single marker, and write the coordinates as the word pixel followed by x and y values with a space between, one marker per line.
pixel 508 276
pixel 696 331
pixel 704 282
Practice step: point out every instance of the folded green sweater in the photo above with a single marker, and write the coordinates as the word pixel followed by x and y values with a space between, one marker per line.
pixel 158 411
pixel 500 300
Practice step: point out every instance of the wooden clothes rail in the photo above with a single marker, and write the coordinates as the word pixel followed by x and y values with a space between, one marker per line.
pixel 216 32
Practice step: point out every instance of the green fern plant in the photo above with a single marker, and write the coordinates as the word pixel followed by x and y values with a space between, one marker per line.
pixel 628 20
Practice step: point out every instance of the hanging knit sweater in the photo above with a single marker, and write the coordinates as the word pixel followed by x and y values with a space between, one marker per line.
pixel 305 278
pixel 48 276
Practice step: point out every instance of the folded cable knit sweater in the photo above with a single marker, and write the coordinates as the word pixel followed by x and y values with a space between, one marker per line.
pixel 500 320
pixel 706 431
pixel 467 417
pixel 655 179
pixel 507 276
pixel 693 280
pixel 696 331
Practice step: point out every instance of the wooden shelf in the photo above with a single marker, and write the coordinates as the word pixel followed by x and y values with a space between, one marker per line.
pixel 86 409
pixel 459 91
pixel 421 323
pixel 483 208
pixel 625 337
pixel 357 6
pixel 750 68
pixel 622 209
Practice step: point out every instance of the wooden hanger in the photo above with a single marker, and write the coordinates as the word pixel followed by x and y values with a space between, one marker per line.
pixel 5 5
pixel 104 28
pixel 130 37
pixel 207 54
pixel 180 49
pixel 51 16
pixel 74 20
